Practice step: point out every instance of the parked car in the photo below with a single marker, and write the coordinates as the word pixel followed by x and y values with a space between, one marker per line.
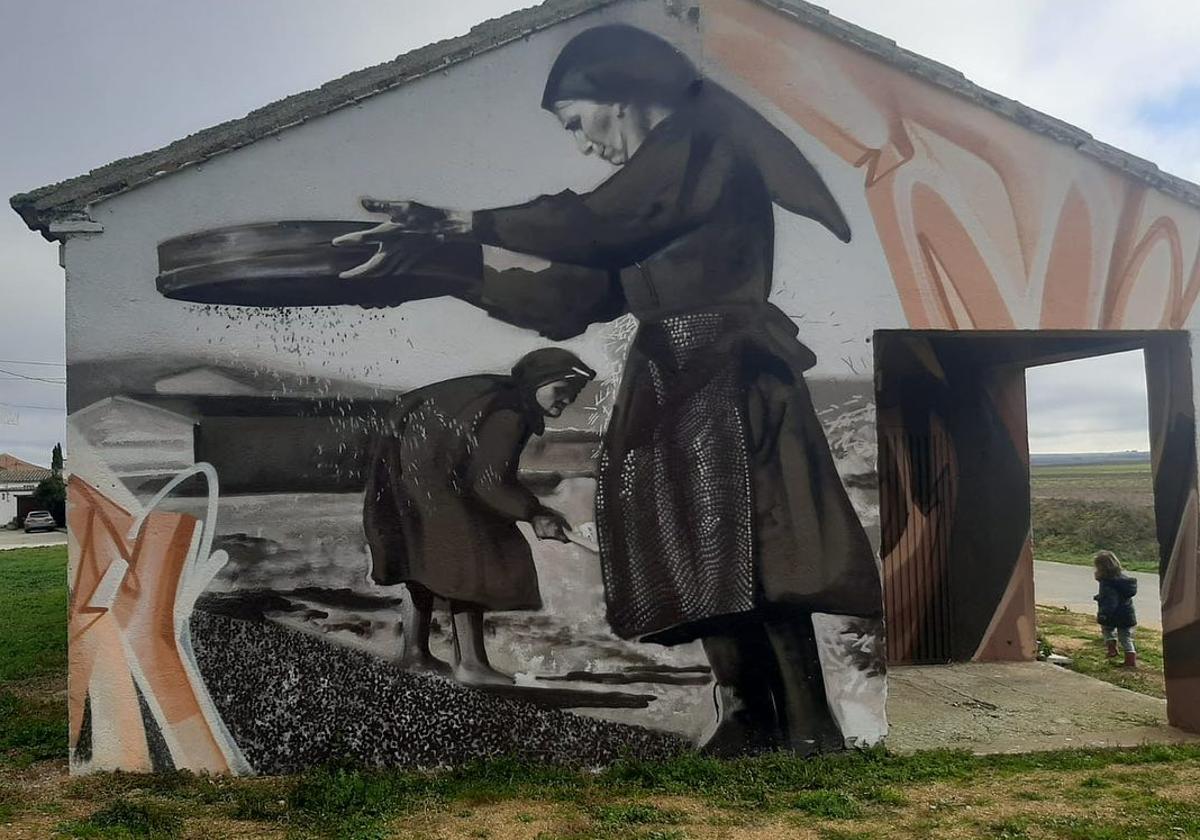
pixel 39 520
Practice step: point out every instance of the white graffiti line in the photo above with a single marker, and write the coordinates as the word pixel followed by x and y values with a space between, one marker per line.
pixel 201 566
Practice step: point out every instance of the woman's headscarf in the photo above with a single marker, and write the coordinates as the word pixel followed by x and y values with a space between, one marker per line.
pixel 618 63
pixel 549 364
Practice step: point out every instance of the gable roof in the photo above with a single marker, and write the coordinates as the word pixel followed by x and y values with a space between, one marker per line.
pixel 23 476
pixel 69 199
pixel 12 462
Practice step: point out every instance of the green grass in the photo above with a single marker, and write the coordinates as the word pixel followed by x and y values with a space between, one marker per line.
pixel 830 804
pixel 124 819
pixel 1125 483
pixel 33 589
pixel 624 814
pixel 1078 636
pixel 33 637
pixel 1072 531
pixel 355 804
pixel 1079 509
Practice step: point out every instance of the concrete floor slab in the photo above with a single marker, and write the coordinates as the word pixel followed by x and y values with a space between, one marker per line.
pixel 1018 707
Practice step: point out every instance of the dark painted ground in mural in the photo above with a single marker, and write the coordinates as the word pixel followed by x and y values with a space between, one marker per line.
pixel 309 573
pixel 293 701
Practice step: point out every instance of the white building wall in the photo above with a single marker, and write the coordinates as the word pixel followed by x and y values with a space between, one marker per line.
pixel 8 499
pixel 474 136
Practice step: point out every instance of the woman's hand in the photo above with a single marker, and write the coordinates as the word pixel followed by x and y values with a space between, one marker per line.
pixel 416 217
pixel 407 218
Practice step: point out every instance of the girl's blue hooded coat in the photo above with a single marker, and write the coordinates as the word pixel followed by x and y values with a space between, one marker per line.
pixel 1115 602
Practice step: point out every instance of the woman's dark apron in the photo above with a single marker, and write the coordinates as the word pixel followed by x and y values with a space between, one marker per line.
pixel 717 492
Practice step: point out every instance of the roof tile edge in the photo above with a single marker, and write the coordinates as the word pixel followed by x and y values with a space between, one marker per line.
pixel 40 207
pixel 70 198
pixel 948 78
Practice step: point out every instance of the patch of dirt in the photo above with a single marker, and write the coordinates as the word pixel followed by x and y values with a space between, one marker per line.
pixel 511 820
pixel 993 805
pixel 42 689
pixel 990 803
pixel 47 796
pixel 39 794
pixel 531 820
pixel 1184 791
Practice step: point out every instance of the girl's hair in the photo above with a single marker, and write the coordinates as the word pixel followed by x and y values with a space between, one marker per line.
pixel 1107 565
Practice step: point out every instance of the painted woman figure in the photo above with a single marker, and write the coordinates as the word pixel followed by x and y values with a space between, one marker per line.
pixel 443 500
pixel 719 511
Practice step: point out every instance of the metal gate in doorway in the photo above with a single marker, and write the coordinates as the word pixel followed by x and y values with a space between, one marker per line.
pixel 917 495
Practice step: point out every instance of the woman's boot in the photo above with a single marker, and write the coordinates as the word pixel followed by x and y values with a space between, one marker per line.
pixel 745 721
pixel 807 721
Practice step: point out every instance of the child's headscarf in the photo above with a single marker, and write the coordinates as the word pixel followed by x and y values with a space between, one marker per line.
pixel 548 364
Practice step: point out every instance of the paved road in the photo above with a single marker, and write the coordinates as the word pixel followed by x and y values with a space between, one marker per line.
pixel 19 539
pixel 1064 585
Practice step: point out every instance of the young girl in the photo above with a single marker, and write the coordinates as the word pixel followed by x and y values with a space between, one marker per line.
pixel 1115 605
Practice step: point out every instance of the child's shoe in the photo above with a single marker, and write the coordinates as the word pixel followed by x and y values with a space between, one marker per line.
pixel 1112 648
pixel 1130 660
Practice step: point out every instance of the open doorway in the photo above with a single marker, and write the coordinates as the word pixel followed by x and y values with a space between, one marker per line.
pixel 1092 489
pixel 955 503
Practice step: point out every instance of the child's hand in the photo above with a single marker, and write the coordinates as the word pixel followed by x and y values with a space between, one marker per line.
pixel 550 525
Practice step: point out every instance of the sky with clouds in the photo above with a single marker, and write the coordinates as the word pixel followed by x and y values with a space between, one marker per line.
pixel 83 83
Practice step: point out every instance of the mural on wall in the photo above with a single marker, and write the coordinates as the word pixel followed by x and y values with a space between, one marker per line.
pixel 984 224
pixel 652 539
pixel 720 525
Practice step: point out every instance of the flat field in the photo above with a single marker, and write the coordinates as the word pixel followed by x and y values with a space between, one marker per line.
pixel 1124 484
pixel 1079 509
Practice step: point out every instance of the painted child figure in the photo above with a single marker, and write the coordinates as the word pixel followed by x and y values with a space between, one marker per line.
pixel 443 501
pixel 1115 612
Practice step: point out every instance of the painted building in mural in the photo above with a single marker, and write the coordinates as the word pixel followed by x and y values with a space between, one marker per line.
pixel 623 439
